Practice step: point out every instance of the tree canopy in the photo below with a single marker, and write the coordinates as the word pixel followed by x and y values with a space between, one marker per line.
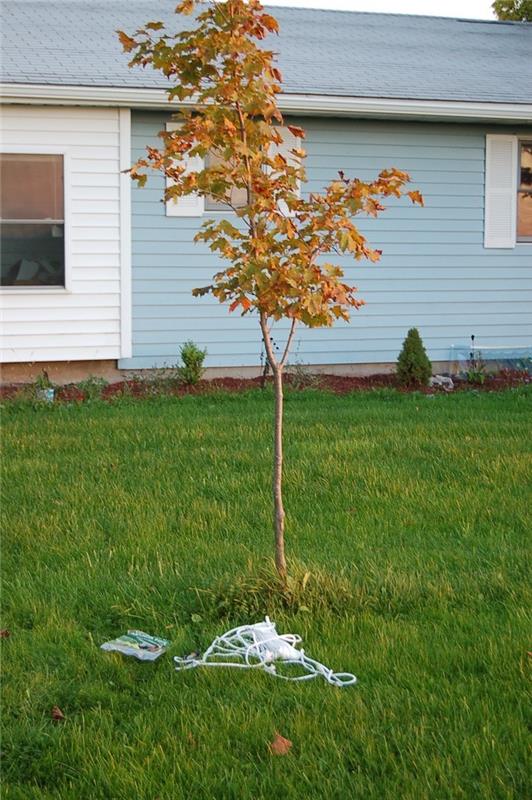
pixel 517 10
pixel 227 85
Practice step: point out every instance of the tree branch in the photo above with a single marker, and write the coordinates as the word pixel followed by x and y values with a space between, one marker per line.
pixel 288 342
pixel 267 342
pixel 249 187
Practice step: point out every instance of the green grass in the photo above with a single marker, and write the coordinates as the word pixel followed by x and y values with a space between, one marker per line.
pixel 114 513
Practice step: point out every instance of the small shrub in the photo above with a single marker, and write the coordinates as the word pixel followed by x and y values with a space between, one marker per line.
pixel 42 381
pixel 301 377
pixel 43 389
pixel 476 366
pixel 413 364
pixel 192 357
pixel 92 387
pixel 162 380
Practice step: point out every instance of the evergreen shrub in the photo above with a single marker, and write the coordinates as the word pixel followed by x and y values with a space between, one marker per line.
pixel 413 364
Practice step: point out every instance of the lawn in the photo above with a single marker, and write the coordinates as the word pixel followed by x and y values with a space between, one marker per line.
pixel 114 513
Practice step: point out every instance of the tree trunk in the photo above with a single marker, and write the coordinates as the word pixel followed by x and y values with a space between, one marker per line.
pixel 280 561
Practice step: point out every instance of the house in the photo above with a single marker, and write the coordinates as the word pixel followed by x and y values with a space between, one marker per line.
pixel 97 273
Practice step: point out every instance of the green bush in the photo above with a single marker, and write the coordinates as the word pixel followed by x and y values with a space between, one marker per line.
pixel 192 358
pixel 92 387
pixel 42 381
pixel 413 364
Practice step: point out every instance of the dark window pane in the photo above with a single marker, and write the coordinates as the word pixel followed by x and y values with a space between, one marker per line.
pixel 524 195
pixel 33 254
pixel 31 186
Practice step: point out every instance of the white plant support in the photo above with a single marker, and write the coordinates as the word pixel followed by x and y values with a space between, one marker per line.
pixel 257 647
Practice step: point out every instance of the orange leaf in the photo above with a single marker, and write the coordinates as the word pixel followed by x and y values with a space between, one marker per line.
pixel 4 633
pixel 295 131
pixel 126 41
pixel 269 22
pixel 229 127
pixel 416 197
pixel 57 714
pixel 280 746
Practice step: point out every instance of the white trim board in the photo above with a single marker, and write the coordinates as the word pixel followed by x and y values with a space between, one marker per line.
pixel 304 104
pixel 126 343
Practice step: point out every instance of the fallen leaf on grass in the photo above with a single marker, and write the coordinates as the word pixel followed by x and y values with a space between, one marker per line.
pixel 4 633
pixel 280 746
pixel 57 714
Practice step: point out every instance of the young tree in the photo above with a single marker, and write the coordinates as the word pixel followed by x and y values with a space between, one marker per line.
pixel 275 240
pixel 413 364
pixel 517 10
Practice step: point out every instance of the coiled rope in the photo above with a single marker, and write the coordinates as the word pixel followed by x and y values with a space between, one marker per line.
pixel 257 647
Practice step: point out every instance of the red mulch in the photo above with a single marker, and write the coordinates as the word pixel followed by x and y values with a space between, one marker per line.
pixel 338 384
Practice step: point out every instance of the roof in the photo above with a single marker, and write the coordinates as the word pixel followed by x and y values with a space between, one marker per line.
pixel 349 54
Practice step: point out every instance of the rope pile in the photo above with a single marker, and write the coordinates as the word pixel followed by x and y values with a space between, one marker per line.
pixel 258 647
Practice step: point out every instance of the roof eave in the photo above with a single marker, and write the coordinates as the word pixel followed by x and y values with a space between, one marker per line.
pixel 301 104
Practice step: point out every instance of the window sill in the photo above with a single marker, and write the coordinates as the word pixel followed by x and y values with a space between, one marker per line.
pixel 34 290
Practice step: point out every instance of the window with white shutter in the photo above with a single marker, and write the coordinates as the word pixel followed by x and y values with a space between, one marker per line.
pixel 192 205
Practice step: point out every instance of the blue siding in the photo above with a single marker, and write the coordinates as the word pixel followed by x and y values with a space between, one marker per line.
pixel 434 274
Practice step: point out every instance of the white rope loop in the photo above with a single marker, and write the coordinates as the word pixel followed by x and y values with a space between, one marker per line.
pixel 257 647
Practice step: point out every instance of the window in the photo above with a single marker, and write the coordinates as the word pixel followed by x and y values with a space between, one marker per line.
pixel 32 220
pixel 195 206
pixel 508 191
pixel 524 193
pixel 238 198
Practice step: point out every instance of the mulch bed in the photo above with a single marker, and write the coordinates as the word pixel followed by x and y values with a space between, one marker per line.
pixel 338 384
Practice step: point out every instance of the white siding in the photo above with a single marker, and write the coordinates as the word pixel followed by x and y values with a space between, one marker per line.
pixel 84 321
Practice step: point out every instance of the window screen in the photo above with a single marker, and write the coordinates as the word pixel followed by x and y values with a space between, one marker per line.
pixel 32 220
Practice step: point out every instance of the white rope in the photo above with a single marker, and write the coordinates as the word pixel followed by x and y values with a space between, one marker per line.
pixel 257 647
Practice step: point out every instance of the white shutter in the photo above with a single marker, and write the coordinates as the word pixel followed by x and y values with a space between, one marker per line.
pixel 192 205
pixel 290 142
pixel 500 215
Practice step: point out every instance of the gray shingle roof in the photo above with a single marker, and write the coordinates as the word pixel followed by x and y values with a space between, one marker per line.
pixel 73 42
